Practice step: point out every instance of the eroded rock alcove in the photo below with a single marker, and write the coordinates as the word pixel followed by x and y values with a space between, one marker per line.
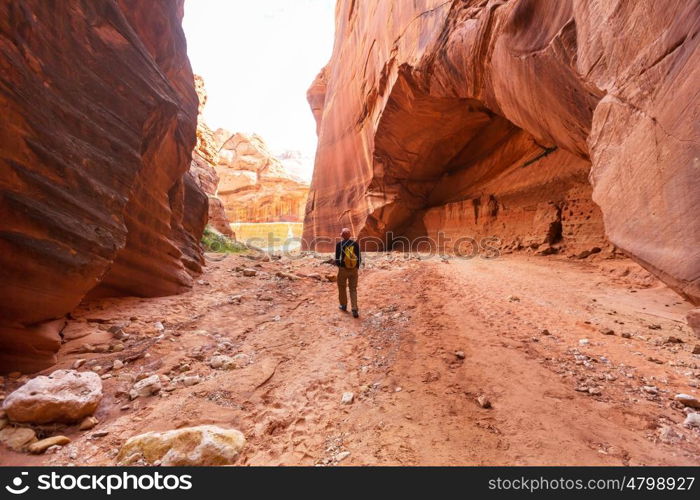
pixel 539 123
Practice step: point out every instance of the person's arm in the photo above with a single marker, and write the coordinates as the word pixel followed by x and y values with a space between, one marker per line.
pixel 337 254
pixel 359 255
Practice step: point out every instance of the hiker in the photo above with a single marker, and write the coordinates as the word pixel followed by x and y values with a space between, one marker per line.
pixel 348 259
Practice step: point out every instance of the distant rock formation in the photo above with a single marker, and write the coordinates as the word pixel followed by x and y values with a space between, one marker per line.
pixel 98 127
pixel 204 159
pixel 254 185
pixel 510 119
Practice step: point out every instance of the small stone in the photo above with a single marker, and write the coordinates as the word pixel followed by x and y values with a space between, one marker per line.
pixel 191 380
pixel 655 360
pixel 88 423
pixel 45 444
pixel 595 391
pixel 106 376
pixel 99 434
pixel 78 363
pixel 584 342
pixel 654 327
pixel 118 364
pixel 545 332
pixel 607 331
pixel 342 456
pixel 222 362
pixel 249 272
pixel 696 349
pixel 687 400
pixel 513 298
pixel 626 335
pixel 650 389
pixel 125 407
pixel 347 399
pixel 158 326
pixel 146 387
pixel 483 401
pixel 118 347
pixel 460 354
pixel 17 438
pixel 673 340
pixel 692 420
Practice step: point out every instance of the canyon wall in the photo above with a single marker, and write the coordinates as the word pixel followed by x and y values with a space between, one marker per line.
pixel 204 160
pixel 557 126
pixel 254 185
pixel 99 118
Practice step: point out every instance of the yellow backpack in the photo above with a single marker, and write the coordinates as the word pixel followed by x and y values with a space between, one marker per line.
pixel 350 257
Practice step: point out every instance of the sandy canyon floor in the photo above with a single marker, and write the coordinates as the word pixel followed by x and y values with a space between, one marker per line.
pixel 574 357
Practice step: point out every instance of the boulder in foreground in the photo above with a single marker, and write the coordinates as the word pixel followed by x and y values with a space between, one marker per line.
pixel 202 445
pixel 64 396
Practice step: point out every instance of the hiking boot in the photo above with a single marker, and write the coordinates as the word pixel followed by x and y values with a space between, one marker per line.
pixel 355 313
pixel 343 308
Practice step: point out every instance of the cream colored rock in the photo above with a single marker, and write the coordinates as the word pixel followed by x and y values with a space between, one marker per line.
pixel 17 438
pixel 45 444
pixel 190 446
pixel 64 396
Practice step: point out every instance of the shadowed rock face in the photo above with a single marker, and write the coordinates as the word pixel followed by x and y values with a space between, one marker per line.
pixel 571 123
pixel 99 117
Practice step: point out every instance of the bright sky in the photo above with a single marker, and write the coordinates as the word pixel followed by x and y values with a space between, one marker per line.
pixel 257 59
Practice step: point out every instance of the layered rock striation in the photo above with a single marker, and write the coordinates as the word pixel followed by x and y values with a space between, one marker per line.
pixel 566 124
pixel 254 185
pixel 99 119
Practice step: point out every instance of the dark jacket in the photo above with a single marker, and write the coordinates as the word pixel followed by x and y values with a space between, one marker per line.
pixel 340 254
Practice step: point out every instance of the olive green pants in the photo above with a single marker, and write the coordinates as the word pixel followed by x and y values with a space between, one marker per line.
pixel 347 277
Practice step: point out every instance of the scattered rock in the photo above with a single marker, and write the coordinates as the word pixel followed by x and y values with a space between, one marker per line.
pixel 692 420
pixel 98 434
pixel 626 335
pixel 191 380
pixel 341 456
pixel 673 340
pixel 607 331
pixel 88 423
pixel 146 387
pixel 584 342
pixel 696 349
pixel 289 276
pixel 249 272
pixel 650 389
pixel 17 438
pixel 78 363
pixel 513 298
pixel 460 354
pixel 668 435
pixel 595 391
pixel 45 444
pixel 545 332
pixel 483 401
pixel 222 362
pixel 158 326
pixel 204 445
pixel 655 360
pixel 654 327
pixel 347 399
pixel 687 400
pixel 118 364
pixel 64 396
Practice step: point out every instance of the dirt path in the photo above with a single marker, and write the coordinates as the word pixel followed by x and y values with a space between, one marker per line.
pixel 415 400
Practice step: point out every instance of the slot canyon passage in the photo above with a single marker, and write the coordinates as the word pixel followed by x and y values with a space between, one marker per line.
pixel 523 177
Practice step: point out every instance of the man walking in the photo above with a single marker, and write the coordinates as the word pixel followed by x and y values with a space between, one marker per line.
pixel 348 259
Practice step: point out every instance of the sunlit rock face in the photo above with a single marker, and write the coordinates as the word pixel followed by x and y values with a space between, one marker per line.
pixel 571 123
pixel 99 118
pixel 203 168
pixel 254 185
